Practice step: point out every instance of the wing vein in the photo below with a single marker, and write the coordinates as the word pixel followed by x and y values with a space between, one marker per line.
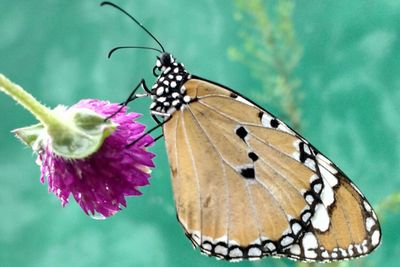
pixel 265 186
pixel 266 143
pixel 246 124
pixel 196 174
pixel 177 165
pixel 227 163
pixel 285 178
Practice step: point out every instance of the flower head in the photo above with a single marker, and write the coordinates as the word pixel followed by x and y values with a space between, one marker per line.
pixel 99 161
pixel 100 182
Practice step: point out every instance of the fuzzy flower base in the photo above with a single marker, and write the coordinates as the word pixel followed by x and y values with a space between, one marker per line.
pixel 100 182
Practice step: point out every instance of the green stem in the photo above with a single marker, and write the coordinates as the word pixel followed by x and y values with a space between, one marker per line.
pixel 41 112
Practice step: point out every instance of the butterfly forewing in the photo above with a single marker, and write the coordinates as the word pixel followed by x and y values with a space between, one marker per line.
pixel 246 185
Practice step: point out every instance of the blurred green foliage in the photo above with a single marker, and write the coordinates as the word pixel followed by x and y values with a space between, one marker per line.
pixel 270 50
pixel 330 67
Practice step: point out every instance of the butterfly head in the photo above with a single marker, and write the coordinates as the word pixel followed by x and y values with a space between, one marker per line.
pixel 164 61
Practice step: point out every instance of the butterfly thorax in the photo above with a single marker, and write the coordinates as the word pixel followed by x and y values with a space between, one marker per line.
pixel 168 93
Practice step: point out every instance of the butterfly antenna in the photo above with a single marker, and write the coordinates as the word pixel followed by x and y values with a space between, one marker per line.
pixel 135 20
pixel 124 47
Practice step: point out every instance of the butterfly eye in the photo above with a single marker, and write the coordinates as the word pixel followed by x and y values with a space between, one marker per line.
pixel 166 59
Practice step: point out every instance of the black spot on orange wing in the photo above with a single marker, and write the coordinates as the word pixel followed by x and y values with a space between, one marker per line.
pixel 248 173
pixel 242 133
pixel 253 156
pixel 274 123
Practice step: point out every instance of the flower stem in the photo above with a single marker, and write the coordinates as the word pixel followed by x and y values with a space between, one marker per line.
pixel 41 112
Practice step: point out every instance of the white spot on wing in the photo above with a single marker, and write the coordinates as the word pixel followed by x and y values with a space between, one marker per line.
pixel 367 206
pixel 265 120
pixel 307 150
pixel 286 241
pixel 309 243
pixel 206 246
pixel 320 220
pixel 325 254
pixel 350 250
pixel 329 180
pixel 296 228
pixel 243 100
pixel 344 253
pixel 310 164
pixel 295 249
pixel 309 199
pixel 236 253
pixel 221 250
pixel 254 252
pixel 326 163
pixel 270 246
pixel 329 177
pixel 306 216
pixel 327 195
pixel 284 128
pixel 369 223
pixel 317 188
pixel 375 238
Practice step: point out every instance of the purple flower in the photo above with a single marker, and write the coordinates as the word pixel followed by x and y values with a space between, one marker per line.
pixel 82 153
pixel 100 182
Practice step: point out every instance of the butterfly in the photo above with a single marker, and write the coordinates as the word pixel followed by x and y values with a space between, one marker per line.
pixel 245 184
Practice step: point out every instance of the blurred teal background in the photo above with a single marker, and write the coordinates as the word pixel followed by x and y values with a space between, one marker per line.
pixel 337 80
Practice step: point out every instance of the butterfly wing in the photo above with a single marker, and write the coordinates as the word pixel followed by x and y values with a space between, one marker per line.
pixel 245 184
pixel 354 229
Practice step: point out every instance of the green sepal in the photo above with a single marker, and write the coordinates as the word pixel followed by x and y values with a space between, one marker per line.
pixel 29 135
pixel 81 133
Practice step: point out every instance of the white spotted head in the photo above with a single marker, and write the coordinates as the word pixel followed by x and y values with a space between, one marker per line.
pixel 164 61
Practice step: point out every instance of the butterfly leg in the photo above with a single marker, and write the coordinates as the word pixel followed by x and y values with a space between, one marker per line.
pixel 148 132
pixel 132 97
pixel 155 140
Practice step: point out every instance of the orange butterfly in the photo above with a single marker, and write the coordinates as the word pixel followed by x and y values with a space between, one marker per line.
pixel 245 184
